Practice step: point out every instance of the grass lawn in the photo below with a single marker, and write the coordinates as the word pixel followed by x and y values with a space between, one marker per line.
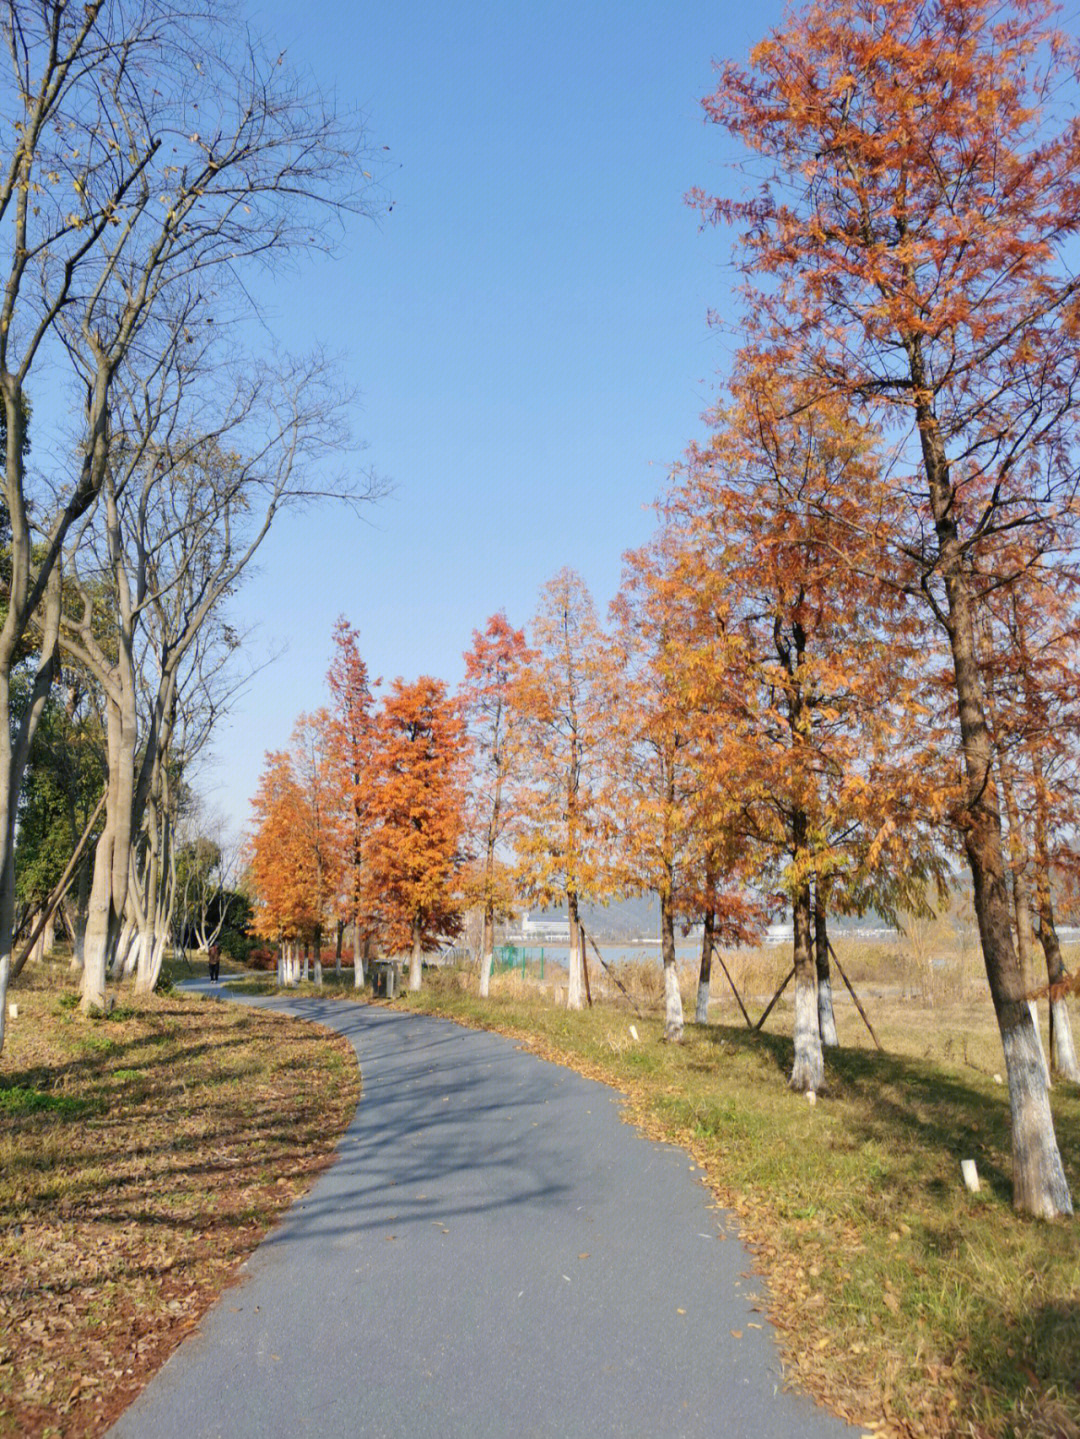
pixel 909 1304
pixel 142 1156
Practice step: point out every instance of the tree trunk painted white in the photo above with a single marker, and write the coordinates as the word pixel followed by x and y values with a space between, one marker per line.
pixel 128 951
pixel 1062 1050
pixel 826 1017
pixel 487 953
pixel 48 938
pixel 156 958
pixel 416 959
pixel 1033 1010
pixel 37 954
pixel 305 973
pixel 126 954
pixel 281 966
pixel 112 855
pixel 673 1010
pixel 808 1071
pixel 1039 1184
pixel 359 975
pixel 701 1012
pixel 575 987
pixel 97 943
pixel 487 964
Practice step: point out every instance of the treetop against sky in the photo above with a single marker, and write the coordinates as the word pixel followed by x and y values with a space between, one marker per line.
pixel 526 327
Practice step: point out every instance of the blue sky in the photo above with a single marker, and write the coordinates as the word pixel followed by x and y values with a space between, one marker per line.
pixel 527 328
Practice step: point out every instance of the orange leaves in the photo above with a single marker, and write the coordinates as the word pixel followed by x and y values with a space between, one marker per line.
pixel 559 699
pixel 493 672
pixel 350 734
pixel 796 657
pixel 295 849
pixel 414 851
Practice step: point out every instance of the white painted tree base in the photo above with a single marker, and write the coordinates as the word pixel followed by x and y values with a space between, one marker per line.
pixel 808 1070
pixel 1039 1184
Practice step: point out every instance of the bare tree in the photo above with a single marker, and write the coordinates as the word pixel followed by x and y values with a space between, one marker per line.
pixel 156 152
pixel 173 534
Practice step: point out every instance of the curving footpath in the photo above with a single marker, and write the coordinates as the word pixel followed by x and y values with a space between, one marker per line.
pixel 495 1253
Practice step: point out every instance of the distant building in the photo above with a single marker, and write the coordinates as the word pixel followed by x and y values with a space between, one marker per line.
pixel 780 934
pixel 557 930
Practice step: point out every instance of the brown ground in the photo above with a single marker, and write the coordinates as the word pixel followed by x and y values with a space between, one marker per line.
pixel 142 1157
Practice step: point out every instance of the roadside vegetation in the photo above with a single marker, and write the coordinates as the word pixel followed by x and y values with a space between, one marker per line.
pixel 143 1155
pixel 908 1304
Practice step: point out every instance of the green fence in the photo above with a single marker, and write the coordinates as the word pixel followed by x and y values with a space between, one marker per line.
pixel 509 957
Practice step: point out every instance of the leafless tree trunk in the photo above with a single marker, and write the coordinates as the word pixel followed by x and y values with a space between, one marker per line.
pixel 104 234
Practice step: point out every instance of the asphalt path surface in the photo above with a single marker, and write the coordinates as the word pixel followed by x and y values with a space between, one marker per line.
pixel 494 1253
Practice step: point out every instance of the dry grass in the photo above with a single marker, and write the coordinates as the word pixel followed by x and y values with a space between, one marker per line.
pixel 142 1157
pixel 903 1300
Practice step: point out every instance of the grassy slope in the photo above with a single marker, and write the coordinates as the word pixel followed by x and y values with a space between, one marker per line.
pixel 142 1157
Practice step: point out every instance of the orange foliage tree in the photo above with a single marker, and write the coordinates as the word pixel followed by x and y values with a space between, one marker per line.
pixel 560 701
pixel 294 850
pixel 350 730
pixel 670 837
pixel 919 184
pixel 800 668
pixel 492 666
pixel 415 852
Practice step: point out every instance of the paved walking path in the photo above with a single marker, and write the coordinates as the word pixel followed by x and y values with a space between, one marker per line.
pixel 495 1253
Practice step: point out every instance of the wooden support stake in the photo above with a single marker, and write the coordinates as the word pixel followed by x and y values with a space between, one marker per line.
pixel 584 963
pixel 613 975
pixel 854 996
pixel 776 996
pixel 717 956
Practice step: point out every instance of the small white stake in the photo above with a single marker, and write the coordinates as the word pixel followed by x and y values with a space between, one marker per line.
pixel 971 1174
pixel 13 1011
pixel 811 1097
pixel 998 1079
pixel 633 1031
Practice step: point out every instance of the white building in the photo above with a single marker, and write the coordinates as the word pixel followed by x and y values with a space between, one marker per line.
pixel 555 930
